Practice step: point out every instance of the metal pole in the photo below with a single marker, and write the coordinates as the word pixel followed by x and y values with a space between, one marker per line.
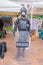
pixel 31 15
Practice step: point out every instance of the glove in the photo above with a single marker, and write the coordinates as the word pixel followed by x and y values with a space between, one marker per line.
pixel 13 33
pixel 30 33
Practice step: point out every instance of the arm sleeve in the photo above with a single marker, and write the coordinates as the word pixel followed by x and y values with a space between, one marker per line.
pixel 15 25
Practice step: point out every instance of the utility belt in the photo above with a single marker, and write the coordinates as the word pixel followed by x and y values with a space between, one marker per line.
pixel 22 44
pixel 23 30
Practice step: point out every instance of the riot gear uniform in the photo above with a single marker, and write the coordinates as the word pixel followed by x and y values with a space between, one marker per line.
pixel 23 26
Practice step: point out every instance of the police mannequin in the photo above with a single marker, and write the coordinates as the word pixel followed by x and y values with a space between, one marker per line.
pixel 23 25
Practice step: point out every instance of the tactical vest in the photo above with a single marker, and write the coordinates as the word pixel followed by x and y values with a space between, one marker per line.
pixel 23 25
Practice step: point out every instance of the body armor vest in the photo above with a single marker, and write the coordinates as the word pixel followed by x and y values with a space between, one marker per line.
pixel 23 25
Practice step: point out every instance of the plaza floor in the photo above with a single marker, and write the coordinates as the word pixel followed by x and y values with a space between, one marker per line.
pixel 34 54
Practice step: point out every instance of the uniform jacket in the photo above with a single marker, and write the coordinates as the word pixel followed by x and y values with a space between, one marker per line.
pixel 22 24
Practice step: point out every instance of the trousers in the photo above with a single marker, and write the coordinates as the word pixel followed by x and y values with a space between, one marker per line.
pixel 23 36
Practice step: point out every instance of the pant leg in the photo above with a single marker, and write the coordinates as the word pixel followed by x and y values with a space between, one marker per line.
pixel 18 52
pixel 23 35
pixel 24 39
pixel 23 52
pixel 20 37
pixel 18 48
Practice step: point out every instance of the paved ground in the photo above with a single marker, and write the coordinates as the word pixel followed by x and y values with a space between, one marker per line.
pixel 34 55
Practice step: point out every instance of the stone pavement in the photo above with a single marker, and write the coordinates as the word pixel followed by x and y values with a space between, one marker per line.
pixel 34 54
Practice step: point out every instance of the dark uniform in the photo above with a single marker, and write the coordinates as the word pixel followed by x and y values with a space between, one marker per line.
pixel 23 25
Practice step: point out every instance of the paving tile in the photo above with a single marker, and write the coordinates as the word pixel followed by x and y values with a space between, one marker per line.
pixel 34 54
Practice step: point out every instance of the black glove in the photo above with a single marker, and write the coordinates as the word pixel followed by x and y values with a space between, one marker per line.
pixel 14 33
pixel 30 33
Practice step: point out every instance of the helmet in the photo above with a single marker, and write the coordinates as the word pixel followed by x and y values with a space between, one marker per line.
pixel 23 14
